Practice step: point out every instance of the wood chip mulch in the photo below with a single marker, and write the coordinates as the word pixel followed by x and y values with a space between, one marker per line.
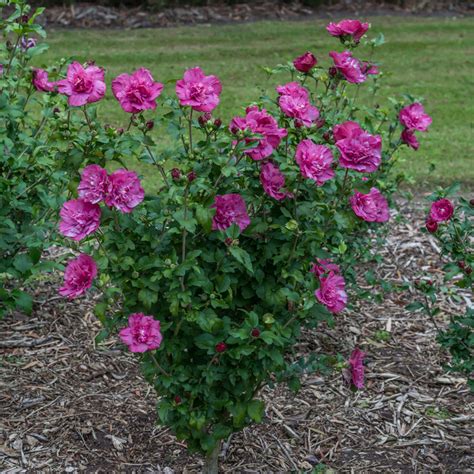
pixel 68 406
pixel 92 15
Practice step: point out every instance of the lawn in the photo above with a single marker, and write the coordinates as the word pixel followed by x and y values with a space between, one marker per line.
pixel 430 57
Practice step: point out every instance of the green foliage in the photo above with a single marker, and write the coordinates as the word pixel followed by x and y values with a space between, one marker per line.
pixel 455 239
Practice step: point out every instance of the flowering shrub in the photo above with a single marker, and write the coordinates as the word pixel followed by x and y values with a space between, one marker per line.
pixel 253 235
pixel 452 226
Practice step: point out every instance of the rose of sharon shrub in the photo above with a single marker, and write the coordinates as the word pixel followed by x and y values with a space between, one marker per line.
pixel 251 238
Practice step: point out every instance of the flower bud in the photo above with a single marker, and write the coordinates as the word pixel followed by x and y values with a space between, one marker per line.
pixel 217 123
pixel 175 174
pixel 56 110
pixel 204 118
pixel 255 332
pixel 468 270
pixel 177 399
pixel 120 131
pixel 150 124
pixel 221 347
pixel 461 264
pixel 471 202
pixel 24 19
pixel 192 176
pixel 229 241
pixel 431 225
pixel 327 136
pixel 135 274
pixel 320 122
pixel 332 71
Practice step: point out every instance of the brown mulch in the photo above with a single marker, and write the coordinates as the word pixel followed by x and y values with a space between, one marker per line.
pixel 91 15
pixel 68 406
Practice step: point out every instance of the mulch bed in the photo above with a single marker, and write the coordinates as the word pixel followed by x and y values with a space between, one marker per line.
pixel 91 15
pixel 68 406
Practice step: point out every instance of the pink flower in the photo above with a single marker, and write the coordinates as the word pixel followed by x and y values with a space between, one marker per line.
pixel 331 292
pixel 360 150
pixel 273 181
pixel 40 81
pixel 136 92
pixel 356 363
pixel 372 207
pixel 94 184
pixel 315 161
pixel 370 69
pixel 198 91
pixel 78 276
pixel 306 62
pixel 413 117
pixel 294 102
pixel 82 85
pixel 324 266
pixel 348 66
pixel 79 219
pixel 125 191
pixel 142 333
pixel 352 28
pixel 409 138
pixel 261 123
pixel 230 209
pixel 441 210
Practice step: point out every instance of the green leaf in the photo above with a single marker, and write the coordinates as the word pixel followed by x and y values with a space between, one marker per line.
pixel 23 262
pixel 242 257
pixel 23 301
pixel 415 306
pixel 255 410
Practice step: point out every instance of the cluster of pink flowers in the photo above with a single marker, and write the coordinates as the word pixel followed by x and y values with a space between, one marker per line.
pixel 372 207
pixel 142 333
pixel 413 118
pixel 230 209
pixel 121 189
pixel 332 286
pixel 441 211
pixel 294 102
pixel 262 123
pixel 359 150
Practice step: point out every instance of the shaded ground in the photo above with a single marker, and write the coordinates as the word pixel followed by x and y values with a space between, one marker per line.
pixel 68 406
pixel 91 15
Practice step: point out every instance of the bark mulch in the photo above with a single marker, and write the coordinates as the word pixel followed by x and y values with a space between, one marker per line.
pixel 91 15
pixel 68 406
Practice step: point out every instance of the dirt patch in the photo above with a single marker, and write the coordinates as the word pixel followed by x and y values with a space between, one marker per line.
pixel 68 406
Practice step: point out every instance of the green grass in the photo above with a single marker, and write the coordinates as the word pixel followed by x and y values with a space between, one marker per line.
pixel 430 57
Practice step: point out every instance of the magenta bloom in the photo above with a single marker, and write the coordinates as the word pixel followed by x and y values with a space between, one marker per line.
pixel 360 150
pixel 136 92
pixel 353 28
pixel 82 85
pixel 294 102
pixel 348 66
pixel 94 184
pixel 306 62
pixel 441 210
pixel 325 266
pixel 273 181
pixel 230 209
pixel 40 81
pixel 125 191
pixel 142 333
pixel 315 161
pixel 370 69
pixel 371 207
pixel 409 138
pixel 431 225
pixel 198 91
pixel 332 293
pixel 261 123
pixel 413 117
pixel 78 276
pixel 356 363
pixel 79 219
